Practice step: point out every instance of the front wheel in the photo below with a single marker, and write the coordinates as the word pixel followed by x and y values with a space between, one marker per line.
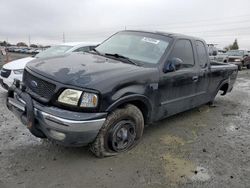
pixel 248 66
pixel 120 132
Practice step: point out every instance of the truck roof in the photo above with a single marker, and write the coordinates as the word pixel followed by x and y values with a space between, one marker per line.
pixel 169 34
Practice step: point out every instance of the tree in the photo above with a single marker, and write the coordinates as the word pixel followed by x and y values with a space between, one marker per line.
pixel 33 46
pixel 235 45
pixel 4 43
pixel 21 44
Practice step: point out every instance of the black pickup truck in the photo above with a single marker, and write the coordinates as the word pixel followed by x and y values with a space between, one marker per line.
pixel 104 98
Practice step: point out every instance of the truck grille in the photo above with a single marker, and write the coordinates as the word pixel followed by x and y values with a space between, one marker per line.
pixel 232 59
pixel 38 86
pixel 5 73
pixel 220 59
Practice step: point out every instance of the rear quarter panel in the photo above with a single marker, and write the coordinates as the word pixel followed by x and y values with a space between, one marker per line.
pixel 221 74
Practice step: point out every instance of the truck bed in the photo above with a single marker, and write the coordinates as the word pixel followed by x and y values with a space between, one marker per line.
pixel 219 65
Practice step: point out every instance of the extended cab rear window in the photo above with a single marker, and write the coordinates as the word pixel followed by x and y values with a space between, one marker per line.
pixel 202 54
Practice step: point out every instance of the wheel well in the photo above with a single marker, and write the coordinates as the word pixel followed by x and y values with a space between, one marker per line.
pixel 139 104
pixel 224 88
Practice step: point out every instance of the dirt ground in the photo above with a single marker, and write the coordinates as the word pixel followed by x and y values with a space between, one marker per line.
pixel 203 147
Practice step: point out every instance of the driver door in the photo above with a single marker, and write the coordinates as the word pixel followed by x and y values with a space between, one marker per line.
pixel 177 89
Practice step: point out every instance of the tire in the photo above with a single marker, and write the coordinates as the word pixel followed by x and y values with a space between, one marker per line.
pixel 248 66
pixel 210 103
pixel 239 67
pixel 125 122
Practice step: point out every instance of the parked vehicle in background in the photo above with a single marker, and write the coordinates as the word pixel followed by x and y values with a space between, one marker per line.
pixel 18 50
pixel 14 70
pixel 11 48
pixel 238 57
pixel 221 56
pixel 36 51
pixel 212 51
pixel 24 50
pixel 2 55
pixel 105 97
pixel 30 51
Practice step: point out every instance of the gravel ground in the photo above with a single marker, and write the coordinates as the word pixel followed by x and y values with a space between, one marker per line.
pixel 203 147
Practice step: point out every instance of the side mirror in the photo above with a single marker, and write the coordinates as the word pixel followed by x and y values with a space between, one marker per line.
pixel 215 53
pixel 172 65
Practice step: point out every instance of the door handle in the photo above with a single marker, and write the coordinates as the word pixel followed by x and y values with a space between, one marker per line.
pixel 195 78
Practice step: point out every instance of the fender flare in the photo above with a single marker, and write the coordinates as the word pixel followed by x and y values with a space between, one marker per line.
pixel 131 98
pixel 220 85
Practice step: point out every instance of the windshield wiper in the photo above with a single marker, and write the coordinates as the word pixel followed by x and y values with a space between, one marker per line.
pixel 122 57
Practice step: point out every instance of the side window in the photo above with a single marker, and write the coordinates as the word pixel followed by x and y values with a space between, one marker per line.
pixel 184 51
pixel 82 49
pixel 202 54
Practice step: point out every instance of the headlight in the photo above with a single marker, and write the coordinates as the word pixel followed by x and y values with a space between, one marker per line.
pixel 75 97
pixel 18 71
pixel 89 100
pixel 237 60
pixel 70 96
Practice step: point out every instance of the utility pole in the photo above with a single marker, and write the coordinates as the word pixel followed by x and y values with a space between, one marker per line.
pixel 7 53
pixel 29 40
pixel 63 37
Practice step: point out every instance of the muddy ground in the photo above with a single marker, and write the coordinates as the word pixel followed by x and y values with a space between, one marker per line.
pixel 203 147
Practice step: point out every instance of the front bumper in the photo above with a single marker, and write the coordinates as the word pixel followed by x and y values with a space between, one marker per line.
pixel 65 127
pixel 236 63
pixel 7 82
pixel 5 86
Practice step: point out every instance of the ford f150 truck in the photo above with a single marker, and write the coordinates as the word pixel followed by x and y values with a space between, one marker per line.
pixel 104 98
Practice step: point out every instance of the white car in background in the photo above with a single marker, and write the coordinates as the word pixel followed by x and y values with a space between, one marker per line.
pixel 14 69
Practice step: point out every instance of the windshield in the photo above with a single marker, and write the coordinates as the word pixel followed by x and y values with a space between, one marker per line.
pixel 54 51
pixel 138 46
pixel 235 53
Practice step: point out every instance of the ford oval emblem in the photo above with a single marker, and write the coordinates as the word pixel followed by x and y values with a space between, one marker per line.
pixel 33 83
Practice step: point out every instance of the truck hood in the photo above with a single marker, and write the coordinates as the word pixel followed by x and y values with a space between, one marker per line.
pixel 90 71
pixel 222 55
pixel 18 64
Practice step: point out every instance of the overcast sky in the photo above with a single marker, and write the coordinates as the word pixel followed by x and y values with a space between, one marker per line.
pixel 45 21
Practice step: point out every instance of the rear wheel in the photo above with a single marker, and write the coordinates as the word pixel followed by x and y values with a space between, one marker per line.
pixel 121 131
pixel 239 67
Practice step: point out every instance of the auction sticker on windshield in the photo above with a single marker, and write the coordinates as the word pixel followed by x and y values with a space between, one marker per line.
pixel 150 40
